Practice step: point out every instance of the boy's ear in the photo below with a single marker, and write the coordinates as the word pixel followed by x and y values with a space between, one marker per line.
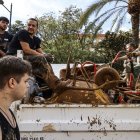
pixel 11 82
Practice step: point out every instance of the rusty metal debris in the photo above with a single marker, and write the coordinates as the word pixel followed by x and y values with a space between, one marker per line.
pixel 90 84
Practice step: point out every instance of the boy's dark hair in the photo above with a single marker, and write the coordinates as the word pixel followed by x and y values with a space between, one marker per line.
pixel 11 66
pixel 4 19
pixel 34 20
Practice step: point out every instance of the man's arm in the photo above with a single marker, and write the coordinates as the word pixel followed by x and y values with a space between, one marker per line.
pixel 129 55
pixel 28 50
pixel 2 53
pixel 40 51
pixel 137 53
pixel 48 56
pixel 122 58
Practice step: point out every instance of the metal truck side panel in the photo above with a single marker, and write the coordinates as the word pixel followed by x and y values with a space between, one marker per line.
pixel 79 122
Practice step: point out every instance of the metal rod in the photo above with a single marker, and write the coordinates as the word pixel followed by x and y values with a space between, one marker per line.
pixel 10 18
pixel 10 11
pixel 6 8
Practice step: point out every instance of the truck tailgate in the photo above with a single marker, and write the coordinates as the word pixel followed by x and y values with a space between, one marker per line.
pixel 78 122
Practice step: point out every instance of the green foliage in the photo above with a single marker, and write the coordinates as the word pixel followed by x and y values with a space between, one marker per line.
pixel 115 12
pixel 111 45
pixel 18 25
pixel 61 36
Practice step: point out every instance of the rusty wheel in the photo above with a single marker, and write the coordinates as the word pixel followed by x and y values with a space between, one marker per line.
pixel 106 74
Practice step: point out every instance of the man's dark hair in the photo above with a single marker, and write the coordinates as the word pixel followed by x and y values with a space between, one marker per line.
pixel 34 20
pixel 4 19
pixel 131 44
pixel 11 66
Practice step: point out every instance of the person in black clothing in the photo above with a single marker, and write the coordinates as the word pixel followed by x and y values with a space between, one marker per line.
pixel 27 41
pixel 14 74
pixel 5 37
pixel 30 44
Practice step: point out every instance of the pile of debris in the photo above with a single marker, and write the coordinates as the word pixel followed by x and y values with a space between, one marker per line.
pixel 91 84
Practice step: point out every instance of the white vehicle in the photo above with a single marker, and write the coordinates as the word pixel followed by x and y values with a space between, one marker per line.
pixel 78 122
pixel 70 121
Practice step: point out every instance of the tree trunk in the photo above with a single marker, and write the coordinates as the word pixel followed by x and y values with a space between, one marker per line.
pixel 135 28
pixel 134 11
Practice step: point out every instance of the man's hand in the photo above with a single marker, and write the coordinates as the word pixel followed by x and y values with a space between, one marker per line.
pixel 2 53
pixel 132 54
pixel 49 57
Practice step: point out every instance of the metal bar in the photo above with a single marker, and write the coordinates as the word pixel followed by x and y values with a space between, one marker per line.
pixel 10 18
pixel 6 8
pixel 10 11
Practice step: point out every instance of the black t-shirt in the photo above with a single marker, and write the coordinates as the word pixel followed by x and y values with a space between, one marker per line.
pixel 24 36
pixel 5 40
pixel 8 132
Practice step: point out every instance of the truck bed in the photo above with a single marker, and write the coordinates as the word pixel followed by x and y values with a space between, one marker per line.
pixel 78 121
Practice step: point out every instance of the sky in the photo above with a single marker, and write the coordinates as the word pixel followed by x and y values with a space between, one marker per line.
pixel 24 9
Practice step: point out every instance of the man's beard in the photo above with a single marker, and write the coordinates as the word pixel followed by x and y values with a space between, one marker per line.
pixel 2 29
pixel 31 33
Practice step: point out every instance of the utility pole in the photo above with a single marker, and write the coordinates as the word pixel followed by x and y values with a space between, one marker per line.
pixel 10 11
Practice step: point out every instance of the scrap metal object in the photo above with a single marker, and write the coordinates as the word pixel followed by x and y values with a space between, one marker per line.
pixel 106 74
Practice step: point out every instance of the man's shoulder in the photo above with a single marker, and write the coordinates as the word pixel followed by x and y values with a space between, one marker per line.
pixel 7 34
pixel 37 39
pixel 22 34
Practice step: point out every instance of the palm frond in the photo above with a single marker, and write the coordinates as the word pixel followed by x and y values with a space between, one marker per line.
pixel 91 10
pixel 120 22
pixel 112 11
pixel 117 1
pixel 102 22
pixel 114 21
pixel 96 8
pixel 99 26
